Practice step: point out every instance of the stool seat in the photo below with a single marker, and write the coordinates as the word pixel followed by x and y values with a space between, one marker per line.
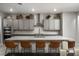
pixel 26 45
pixel 54 46
pixel 40 45
pixel 71 44
pixel 9 44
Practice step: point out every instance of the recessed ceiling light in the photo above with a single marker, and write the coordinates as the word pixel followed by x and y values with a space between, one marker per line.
pixel 55 9
pixel 33 9
pixel 11 9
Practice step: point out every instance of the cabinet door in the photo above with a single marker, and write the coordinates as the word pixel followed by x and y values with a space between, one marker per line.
pixel 31 24
pixel 51 24
pixel 21 25
pixel 15 25
pixel 26 24
pixel 5 23
pixel 46 24
pixel 57 24
pixel 9 21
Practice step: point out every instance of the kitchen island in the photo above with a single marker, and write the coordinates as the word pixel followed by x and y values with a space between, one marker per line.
pixel 63 45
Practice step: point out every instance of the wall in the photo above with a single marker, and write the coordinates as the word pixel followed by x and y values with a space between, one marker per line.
pixel 1 17
pixel 77 30
pixel 69 24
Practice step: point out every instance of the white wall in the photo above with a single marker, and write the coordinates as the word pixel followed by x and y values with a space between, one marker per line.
pixel 77 30
pixel 69 24
pixel 1 17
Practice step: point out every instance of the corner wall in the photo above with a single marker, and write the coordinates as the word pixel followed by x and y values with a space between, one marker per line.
pixel 69 24
pixel 1 17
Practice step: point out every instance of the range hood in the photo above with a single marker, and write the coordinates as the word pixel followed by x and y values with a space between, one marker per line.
pixel 39 24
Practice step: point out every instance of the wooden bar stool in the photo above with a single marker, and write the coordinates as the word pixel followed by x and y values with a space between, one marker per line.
pixel 26 45
pixel 9 44
pixel 54 45
pixel 71 45
pixel 40 46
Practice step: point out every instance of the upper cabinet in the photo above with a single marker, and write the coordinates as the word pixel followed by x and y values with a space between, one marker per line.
pixel 20 22
pixel 52 22
pixel 35 23
pixel 57 24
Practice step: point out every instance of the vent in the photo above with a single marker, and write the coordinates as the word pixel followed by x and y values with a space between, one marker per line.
pixel 20 3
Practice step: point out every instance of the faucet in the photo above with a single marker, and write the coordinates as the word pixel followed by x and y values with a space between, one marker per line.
pixel 39 35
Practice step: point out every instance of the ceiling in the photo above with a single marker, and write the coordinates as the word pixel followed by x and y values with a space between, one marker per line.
pixel 39 7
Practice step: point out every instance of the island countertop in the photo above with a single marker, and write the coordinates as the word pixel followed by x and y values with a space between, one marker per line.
pixel 40 38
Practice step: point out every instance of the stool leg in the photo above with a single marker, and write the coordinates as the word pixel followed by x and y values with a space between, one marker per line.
pixel 44 50
pixel 17 49
pixel 21 50
pixel 49 50
pixel 30 50
pixel 24 51
pixel 36 50
pixel 14 50
pixel 11 51
pixel 5 51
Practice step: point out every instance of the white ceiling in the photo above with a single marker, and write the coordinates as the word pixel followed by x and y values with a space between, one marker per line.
pixel 39 7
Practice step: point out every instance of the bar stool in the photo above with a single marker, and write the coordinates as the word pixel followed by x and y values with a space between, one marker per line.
pixel 26 45
pixel 40 46
pixel 9 44
pixel 71 45
pixel 54 45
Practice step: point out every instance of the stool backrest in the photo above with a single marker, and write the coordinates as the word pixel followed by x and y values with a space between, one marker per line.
pixel 54 44
pixel 10 44
pixel 25 43
pixel 40 44
pixel 71 44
